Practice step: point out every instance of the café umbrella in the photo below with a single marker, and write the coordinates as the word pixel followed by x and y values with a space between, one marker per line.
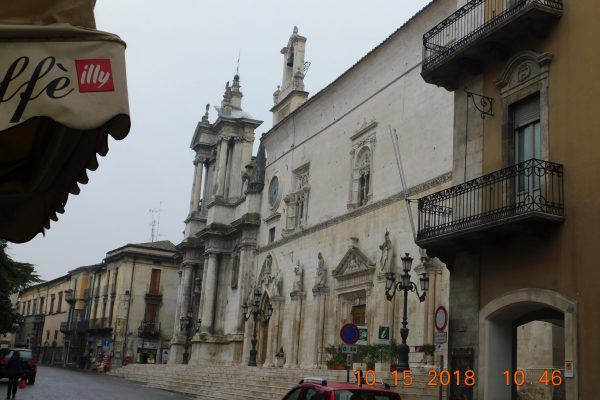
pixel 63 91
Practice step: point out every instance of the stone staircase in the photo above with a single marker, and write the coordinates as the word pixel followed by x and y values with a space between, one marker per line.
pixel 227 382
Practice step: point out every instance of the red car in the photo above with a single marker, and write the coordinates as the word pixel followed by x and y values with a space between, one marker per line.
pixel 319 389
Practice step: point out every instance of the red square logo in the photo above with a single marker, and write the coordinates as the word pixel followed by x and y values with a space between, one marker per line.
pixel 94 75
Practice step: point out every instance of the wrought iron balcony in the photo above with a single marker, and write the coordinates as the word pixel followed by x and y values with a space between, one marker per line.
pixel 99 324
pixel 148 329
pixel 528 191
pixel 38 318
pixel 479 28
pixel 65 327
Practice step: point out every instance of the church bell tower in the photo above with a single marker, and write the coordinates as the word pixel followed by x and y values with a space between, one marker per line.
pixel 291 94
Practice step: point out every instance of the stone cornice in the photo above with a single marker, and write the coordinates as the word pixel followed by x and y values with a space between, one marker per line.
pixel 364 129
pixel 422 187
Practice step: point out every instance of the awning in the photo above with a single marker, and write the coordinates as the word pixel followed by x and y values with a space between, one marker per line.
pixel 63 90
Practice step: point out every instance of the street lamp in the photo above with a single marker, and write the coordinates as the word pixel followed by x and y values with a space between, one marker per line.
pixel 406 285
pixel 255 312
pixel 187 323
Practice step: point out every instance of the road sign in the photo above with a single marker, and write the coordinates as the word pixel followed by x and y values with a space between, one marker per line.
pixel 349 349
pixel 349 333
pixel 106 342
pixel 440 337
pixel 441 318
pixel 384 333
pixel 363 335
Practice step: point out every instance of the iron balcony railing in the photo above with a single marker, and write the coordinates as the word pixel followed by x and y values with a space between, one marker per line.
pixel 149 329
pixel 528 188
pixel 474 20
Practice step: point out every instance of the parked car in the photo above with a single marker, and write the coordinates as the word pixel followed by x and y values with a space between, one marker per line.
pixel 29 363
pixel 320 389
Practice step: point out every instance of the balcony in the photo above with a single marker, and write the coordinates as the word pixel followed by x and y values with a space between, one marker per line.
pixel 82 326
pixel 99 325
pixel 153 295
pixel 524 195
pixel 86 294
pixel 65 327
pixel 479 29
pixel 149 330
pixel 38 318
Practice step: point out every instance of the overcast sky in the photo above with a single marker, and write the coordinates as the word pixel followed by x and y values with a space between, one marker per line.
pixel 179 56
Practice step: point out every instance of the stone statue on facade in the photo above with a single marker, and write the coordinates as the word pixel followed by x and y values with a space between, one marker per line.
pixel 299 279
pixel 321 271
pixel 265 275
pixel 250 292
pixel 276 284
pixel 386 253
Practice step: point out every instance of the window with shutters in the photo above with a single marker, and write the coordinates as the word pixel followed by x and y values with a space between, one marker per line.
pixel 155 282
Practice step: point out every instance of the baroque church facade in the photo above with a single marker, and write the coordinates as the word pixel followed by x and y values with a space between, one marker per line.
pixel 314 221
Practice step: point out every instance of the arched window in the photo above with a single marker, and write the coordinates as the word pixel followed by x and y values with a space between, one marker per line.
pixel 362 178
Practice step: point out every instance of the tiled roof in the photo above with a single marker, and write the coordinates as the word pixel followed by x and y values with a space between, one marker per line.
pixel 162 245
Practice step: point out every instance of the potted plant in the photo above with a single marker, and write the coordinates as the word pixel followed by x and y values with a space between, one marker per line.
pixel 335 358
pixel 279 358
pixel 428 352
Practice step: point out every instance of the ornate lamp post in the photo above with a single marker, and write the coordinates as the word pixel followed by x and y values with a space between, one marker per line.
pixel 255 311
pixel 186 323
pixel 405 285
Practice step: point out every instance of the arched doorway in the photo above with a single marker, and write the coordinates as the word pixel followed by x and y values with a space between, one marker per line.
pixel 514 330
pixel 263 329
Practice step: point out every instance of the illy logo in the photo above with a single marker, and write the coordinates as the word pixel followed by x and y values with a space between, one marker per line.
pixel 94 75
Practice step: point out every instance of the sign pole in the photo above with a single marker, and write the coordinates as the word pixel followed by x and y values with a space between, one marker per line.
pixel 441 367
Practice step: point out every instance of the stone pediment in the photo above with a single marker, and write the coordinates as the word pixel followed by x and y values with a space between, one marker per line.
pixel 354 263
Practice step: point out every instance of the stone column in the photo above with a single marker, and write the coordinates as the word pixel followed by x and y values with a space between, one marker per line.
pixel 274 342
pixel 221 167
pixel 183 303
pixel 197 186
pixel 320 293
pixel 296 331
pixel 209 292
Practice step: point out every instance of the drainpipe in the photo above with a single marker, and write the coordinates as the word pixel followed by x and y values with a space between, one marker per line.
pixel 125 339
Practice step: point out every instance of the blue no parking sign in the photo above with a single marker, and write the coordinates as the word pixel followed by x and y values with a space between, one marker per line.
pixel 350 333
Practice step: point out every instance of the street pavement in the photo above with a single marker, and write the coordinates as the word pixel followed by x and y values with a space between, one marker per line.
pixel 53 383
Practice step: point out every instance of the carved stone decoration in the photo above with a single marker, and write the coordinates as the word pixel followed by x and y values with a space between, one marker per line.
pixel 355 268
pixel 523 69
pixel 277 284
pixel 265 276
pixel 235 270
pixel 321 278
pixel 299 278
pixel 251 288
pixel 386 253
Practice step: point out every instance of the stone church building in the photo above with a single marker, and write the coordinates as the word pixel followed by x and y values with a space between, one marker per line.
pixel 315 220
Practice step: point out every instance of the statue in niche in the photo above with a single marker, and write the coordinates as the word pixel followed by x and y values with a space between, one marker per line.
pixel 353 265
pixel 251 289
pixel 299 280
pixel 276 284
pixel 386 253
pixel 235 270
pixel 266 278
pixel 321 271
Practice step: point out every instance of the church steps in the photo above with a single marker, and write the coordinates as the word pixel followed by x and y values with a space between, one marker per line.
pixel 241 382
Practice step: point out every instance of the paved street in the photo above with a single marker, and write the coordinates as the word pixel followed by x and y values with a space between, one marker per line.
pixel 66 384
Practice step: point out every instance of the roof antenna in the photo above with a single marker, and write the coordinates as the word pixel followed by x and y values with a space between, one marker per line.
pixel 155 224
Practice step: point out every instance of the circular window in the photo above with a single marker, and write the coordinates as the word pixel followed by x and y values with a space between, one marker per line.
pixel 273 191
